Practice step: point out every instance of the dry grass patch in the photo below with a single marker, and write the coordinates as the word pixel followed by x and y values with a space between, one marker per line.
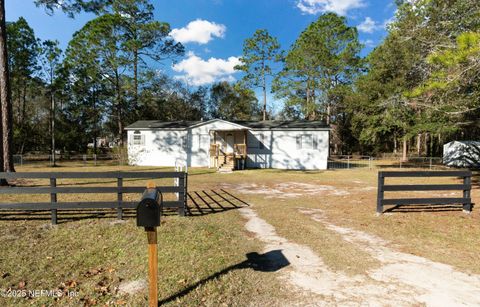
pixel 444 236
pixel 338 254
pixel 449 237
pixel 202 259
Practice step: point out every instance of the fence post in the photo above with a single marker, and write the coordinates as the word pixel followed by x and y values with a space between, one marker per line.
pixel 348 162
pixel 95 159
pixel 430 162
pixel 381 181
pixel 176 181
pixel 186 190
pixel 21 160
pixel 181 195
pixel 467 180
pixel 370 162
pixel 119 197
pixel 53 199
pixel 84 160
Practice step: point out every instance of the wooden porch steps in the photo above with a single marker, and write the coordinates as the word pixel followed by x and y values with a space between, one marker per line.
pixel 228 165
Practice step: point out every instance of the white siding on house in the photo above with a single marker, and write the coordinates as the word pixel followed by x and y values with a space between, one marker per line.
pixel 279 149
pixel 161 147
pixel 164 147
pixel 282 149
pixel 200 155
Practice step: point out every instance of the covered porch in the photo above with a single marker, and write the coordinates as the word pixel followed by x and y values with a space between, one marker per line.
pixel 228 149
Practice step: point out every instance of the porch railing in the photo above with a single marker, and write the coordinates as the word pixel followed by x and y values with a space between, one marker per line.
pixel 241 150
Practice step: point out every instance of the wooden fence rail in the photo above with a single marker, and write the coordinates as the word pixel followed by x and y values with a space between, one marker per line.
pixel 466 187
pixel 119 189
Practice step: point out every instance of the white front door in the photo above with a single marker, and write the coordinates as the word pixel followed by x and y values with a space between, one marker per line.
pixel 230 142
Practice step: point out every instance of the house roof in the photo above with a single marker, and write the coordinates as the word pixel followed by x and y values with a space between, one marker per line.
pixel 157 124
pixel 284 124
pixel 266 125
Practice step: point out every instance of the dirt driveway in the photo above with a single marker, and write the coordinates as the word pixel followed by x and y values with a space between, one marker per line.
pixel 402 279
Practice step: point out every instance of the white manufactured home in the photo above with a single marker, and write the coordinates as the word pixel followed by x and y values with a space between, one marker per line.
pixel 228 145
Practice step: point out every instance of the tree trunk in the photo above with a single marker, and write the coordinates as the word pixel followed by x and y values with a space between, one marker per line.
pixel 3 78
pixel 439 146
pixel 52 124
pixel 135 80
pixel 426 139
pixel 5 96
pixel 328 114
pixel 395 145
pixel 405 150
pixel 119 110
pixel 264 87
pixel 309 114
pixel 95 145
pixel 419 144
pixel 24 104
pixel 264 100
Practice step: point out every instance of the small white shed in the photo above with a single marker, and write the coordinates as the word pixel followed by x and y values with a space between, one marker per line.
pixel 462 154
pixel 232 144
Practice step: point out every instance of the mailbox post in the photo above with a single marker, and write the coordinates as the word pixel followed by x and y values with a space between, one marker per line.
pixel 148 216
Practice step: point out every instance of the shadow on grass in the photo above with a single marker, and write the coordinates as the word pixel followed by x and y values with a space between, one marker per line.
pixel 199 203
pixel 269 262
pixel 212 201
pixel 64 216
pixel 407 165
pixel 424 208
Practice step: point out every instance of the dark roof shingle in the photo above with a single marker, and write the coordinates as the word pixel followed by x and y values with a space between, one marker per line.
pixel 268 124
pixel 157 124
pixel 283 124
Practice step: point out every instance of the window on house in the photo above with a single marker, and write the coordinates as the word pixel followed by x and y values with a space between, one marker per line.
pixel 138 140
pixel 306 141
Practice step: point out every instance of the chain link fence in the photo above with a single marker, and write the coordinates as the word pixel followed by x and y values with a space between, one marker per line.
pixel 75 159
pixel 334 161
pixel 350 162
pixel 369 162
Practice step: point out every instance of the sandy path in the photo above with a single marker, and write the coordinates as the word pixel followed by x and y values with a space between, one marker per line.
pixel 403 280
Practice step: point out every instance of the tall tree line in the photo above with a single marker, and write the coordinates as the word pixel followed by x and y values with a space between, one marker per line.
pixel 421 87
pixel 413 92
pixel 418 89
pixel 67 99
pixel 313 77
pixel 64 99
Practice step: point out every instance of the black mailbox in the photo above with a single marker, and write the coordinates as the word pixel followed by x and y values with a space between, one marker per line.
pixel 149 208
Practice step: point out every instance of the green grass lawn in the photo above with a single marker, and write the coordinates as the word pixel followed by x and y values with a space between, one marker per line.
pixel 203 257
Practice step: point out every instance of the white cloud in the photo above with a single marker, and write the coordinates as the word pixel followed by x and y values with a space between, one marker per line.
pixel 198 31
pixel 321 6
pixel 369 26
pixel 389 21
pixel 198 71
pixel 369 43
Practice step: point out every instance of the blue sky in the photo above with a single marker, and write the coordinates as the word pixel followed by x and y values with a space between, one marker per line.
pixel 213 31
